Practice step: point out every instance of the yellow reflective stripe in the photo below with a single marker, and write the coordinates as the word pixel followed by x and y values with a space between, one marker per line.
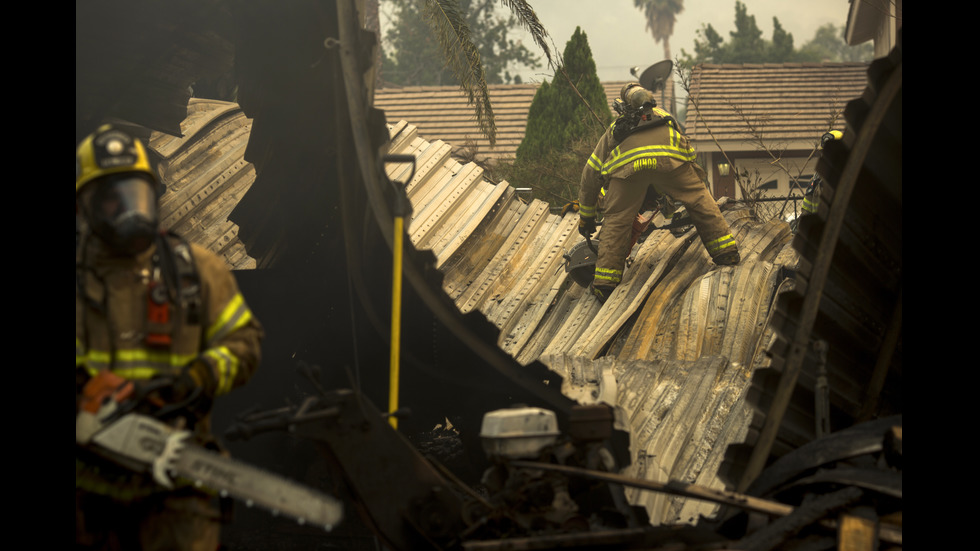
pixel 137 372
pixel 619 159
pixel 225 365
pixel 810 206
pixel 135 363
pixel 595 163
pixel 235 315
pixel 675 136
pixel 721 243
pixel 605 274
pixel 587 211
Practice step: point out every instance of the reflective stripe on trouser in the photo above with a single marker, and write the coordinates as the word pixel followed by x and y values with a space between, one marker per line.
pixel 811 197
pixel 723 244
pixel 685 185
pixel 625 197
pixel 607 276
pixel 809 207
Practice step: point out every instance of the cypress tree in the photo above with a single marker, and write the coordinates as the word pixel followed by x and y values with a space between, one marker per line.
pixel 558 116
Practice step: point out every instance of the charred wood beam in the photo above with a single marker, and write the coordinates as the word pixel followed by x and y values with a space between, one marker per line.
pixel 811 302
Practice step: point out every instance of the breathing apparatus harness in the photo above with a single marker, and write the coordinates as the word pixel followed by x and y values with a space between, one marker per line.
pixel 173 291
pixel 632 119
pixel 176 282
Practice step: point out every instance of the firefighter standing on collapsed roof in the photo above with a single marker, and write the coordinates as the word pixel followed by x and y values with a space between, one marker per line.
pixel 635 153
pixel 811 197
pixel 148 305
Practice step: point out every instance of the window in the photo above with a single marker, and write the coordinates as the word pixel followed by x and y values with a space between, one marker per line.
pixel 800 184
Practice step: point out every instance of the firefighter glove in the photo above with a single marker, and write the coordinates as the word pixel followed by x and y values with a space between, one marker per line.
pixel 191 383
pixel 569 207
pixel 586 226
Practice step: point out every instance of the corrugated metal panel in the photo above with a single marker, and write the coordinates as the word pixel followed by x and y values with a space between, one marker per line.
pixel 674 346
pixel 206 175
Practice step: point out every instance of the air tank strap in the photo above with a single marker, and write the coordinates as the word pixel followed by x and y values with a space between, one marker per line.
pixel 626 126
pixel 175 284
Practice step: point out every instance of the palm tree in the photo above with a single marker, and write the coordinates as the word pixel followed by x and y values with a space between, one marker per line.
pixel 661 15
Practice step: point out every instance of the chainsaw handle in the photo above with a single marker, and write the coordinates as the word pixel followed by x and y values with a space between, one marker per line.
pixel 588 241
pixel 128 395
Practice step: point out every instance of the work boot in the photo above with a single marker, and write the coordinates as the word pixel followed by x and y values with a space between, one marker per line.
pixel 727 259
pixel 602 292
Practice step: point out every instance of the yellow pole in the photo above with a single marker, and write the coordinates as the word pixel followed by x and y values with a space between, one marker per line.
pixel 401 209
pixel 396 315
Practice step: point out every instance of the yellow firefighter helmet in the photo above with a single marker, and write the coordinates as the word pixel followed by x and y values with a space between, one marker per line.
pixel 829 137
pixel 110 150
pixel 116 190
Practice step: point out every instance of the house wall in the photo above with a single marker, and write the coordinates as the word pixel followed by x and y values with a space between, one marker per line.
pixel 771 179
pixel 719 184
pixel 887 33
pixel 877 20
pixel 760 171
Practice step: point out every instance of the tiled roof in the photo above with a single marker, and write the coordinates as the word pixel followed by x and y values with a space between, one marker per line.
pixel 791 103
pixel 442 113
pixel 788 103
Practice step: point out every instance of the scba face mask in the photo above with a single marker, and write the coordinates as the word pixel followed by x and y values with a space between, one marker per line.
pixel 122 212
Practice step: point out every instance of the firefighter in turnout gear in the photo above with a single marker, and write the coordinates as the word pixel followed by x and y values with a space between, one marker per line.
pixel 644 147
pixel 153 309
pixel 811 197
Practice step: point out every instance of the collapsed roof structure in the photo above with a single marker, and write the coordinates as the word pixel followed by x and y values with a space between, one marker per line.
pixel 711 368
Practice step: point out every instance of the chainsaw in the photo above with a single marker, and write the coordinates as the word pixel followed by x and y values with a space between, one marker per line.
pixel 581 258
pixel 109 424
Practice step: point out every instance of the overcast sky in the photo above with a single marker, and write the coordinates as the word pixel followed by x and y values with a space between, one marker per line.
pixel 619 38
